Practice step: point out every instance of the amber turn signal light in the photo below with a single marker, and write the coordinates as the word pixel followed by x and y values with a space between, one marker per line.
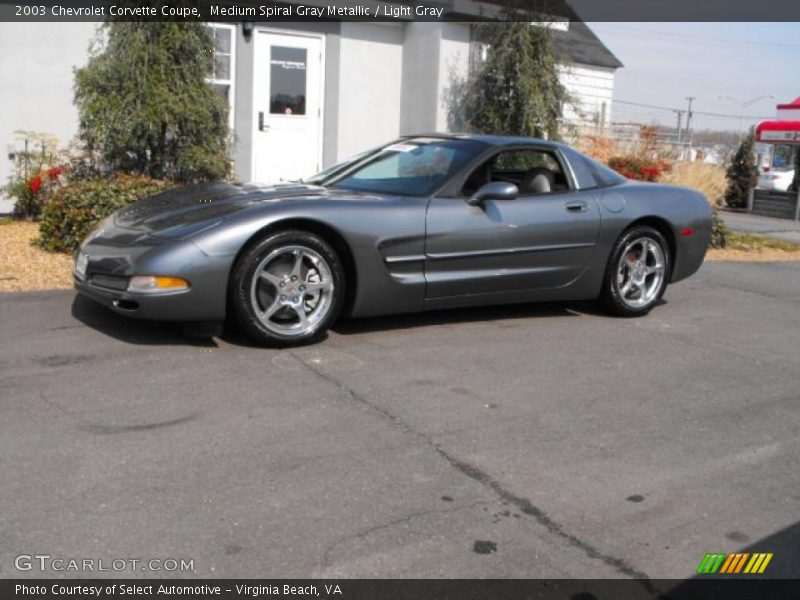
pixel 150 284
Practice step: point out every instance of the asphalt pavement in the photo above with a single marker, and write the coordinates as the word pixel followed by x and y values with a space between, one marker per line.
pixel 782 229
pixel 523 441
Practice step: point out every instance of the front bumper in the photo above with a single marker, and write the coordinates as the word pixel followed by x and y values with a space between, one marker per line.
pixel 174 306
pixel 108 270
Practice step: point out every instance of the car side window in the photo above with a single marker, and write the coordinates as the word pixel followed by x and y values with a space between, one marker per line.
pixel 533 171
pixel 590 173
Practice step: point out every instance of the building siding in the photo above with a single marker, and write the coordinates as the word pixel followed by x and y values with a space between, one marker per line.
pixel 591 88
pixel 36 90
pixel 454 60
pixel 370 58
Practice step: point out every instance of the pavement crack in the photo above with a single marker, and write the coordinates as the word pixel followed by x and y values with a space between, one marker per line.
pixel 553 527
pixel 326 559
pixel 487 481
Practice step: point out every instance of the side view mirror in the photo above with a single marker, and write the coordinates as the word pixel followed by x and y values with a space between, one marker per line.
pixel 496 190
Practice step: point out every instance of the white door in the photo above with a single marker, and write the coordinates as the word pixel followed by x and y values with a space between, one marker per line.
pixel 287 141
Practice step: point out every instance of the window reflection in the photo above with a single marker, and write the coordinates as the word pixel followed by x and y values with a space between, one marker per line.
pixel 287 80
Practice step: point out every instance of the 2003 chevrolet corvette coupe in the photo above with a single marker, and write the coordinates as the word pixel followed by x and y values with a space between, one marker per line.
pixel 427 222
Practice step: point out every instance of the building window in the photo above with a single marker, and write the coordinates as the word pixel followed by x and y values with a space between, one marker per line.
pixel 222 74
pixel 288 80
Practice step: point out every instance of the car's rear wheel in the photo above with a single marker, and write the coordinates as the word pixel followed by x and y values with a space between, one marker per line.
pixel 288 288
pixel 637 272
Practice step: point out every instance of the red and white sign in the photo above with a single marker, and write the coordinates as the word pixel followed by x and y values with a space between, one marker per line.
pixel 785 128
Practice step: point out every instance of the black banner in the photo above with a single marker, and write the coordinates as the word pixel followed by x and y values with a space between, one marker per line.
pixel 735 588
pixel 399 10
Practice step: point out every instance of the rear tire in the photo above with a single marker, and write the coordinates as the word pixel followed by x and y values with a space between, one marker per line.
pixel 637 272
pixel 287 289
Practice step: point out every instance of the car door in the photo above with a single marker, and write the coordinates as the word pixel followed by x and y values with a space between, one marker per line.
pixel 536 241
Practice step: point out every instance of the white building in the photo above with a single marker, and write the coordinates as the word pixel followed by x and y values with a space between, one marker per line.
pixel 588 74
pixel 303 95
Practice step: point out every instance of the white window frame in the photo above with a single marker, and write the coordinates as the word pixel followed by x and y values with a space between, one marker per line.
pixel 231 83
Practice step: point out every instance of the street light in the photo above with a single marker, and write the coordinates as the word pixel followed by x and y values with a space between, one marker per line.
pixel 744 104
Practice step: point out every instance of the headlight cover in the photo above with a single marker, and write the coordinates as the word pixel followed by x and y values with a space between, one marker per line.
pixel 81 262
pixel 156 284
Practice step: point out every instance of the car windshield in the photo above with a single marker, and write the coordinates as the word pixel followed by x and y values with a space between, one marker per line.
pixel 330 172
pixel 413 167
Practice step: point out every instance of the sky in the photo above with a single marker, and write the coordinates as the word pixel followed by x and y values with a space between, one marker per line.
pixel 666 62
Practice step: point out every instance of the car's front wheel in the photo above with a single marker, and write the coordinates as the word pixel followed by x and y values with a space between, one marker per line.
pixel 637 272
pixel 288 288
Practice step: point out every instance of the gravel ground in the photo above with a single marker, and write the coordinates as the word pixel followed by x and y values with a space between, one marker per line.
pixel 24 267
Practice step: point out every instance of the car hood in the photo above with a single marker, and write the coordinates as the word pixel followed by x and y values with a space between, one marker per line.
pixel 189 206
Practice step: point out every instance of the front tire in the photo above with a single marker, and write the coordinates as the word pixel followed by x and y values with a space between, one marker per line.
pixel 637 272
pixel 288 289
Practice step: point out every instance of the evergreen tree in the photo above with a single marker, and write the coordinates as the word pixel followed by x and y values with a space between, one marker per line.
pixel 145 107
pixel 742 173
pixel 516 89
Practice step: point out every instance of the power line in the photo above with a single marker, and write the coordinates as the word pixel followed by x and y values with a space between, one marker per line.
pixel 702 40
pixel 696 112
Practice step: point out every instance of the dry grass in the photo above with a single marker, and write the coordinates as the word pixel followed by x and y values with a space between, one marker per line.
pixel 705 178
pixel 598 147
pixel 24 267
pixel 756 248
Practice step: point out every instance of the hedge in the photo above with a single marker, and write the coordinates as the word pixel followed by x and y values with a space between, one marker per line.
pixel 80 205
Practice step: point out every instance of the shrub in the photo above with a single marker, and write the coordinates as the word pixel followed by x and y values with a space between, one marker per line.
pixel 145 105
pixel 77 207
pixel 703 177
pixel 516 90
pixel 639 167
pixel 742 173
pixel 719 231
pixel 35 175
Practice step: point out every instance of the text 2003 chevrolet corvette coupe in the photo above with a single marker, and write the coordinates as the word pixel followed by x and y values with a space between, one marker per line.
pixel 429 222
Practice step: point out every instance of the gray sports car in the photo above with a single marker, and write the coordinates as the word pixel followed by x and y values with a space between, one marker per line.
pixel 426 222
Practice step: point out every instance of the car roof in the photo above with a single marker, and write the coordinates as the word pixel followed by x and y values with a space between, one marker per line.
pixel 493 140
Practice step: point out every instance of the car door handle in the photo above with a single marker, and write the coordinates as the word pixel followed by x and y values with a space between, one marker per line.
pixel 578 207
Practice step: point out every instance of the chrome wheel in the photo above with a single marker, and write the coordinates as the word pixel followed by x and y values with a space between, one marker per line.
pixel 640 272
pixel 292 290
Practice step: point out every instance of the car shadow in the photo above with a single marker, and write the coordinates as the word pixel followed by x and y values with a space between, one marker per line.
pixel 501 312
pixel 133 331
pixel 143 332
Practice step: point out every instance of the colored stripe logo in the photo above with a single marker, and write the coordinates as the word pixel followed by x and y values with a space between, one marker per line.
pixel 740 562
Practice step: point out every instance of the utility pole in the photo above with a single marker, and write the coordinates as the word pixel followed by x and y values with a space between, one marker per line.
pixel 689 126
pixel 689 113
pixel 680 121
pixel 743 105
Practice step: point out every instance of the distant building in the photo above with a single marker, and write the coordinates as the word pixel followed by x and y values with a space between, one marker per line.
pixel 783 137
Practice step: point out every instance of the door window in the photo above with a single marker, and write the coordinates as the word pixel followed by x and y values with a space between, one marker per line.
pixel 288 80
pixel 533 171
